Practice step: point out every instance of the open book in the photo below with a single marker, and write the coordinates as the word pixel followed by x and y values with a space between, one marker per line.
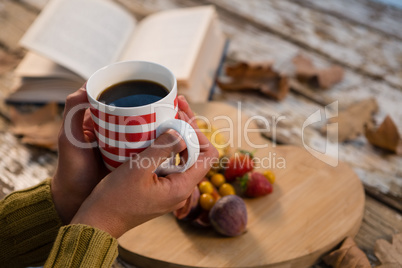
pixel 71 39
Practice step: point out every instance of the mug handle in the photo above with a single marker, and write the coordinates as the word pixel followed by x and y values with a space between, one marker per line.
pixel 189 136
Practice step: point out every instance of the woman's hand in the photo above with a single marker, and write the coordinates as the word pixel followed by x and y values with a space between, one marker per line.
pixel 80 166
pixel 132 194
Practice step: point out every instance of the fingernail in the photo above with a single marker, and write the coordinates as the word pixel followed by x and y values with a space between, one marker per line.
pixel 181 97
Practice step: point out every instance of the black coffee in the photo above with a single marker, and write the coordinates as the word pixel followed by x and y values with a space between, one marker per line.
pixel 133 93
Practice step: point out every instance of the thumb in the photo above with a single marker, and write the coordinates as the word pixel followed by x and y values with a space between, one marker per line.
pixel 166 145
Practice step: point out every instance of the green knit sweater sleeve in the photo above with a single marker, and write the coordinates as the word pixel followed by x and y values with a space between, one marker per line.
pixel 29 224
pixel 31 232
pixel 79 245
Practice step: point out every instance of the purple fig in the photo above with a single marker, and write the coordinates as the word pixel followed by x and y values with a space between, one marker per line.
pixel 229 215
pixel 191 209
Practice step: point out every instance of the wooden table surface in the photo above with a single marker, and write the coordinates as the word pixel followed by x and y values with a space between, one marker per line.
pixel 363 37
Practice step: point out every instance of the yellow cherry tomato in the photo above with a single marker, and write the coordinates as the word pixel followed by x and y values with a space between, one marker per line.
pixel 207 201
pixel 218 179
pixel 221 152
pixel 201 124
pixel 226 189
pixel 206 187
pixel 220 139
pixel 269 175
pixel 211 173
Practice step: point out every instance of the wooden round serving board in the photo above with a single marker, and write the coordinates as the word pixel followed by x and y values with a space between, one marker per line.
pixel 313 207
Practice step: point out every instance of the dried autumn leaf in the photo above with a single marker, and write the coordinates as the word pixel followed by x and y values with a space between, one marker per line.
pixel 251 70
pixel 256 76
pixel 349 255
pixel 315 77
pixel 39 128
pixel 305 68
pixel 390 255
pixel 330 76
pixel 352 122
pixel 44 135
pixel 386 136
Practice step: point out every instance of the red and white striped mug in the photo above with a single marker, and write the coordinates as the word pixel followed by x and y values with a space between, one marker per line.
pixel 124 131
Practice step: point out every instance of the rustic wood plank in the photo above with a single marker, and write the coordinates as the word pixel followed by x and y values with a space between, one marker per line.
pixel 379 221
pixel 389 199
pixel 251 43
pixel 383 18
pixel 21 166
pixel 7 82
pixel 357 47
pixel 15 19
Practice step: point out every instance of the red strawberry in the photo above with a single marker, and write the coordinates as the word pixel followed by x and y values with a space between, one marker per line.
pixel 238 165
pixel 255 184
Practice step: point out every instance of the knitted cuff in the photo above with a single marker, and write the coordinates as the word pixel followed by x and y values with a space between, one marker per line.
pixel 28 225
pixel 79 245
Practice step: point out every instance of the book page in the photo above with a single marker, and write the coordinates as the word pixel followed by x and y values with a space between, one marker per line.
pixel 209 59
pixel 81 35
pixel 171 38
pixel 34 66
